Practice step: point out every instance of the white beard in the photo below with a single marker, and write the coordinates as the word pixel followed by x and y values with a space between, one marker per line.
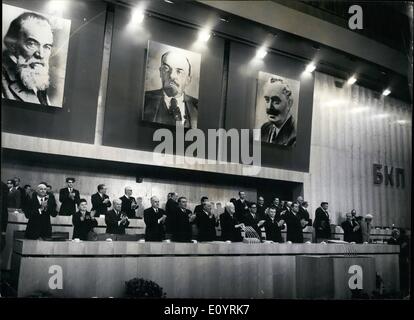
pixel 33 78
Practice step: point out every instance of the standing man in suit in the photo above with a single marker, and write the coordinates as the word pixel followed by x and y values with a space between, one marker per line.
pixel 83 222
pixel 41 207
pixel 276 204
pixel 170 208
pixel 4 215
pixel 21 190
pixel 366 227
pixel 129 204
pixel 295 224
pixel 200 207
pixel 230 227
pixel 69 198
pixel 261 210
pixel 116 220
pixel 100 201
pixel 351 229
pixel 303 209
pixel 252 220
pixel 154 219
pixel 273 226
pixel 242 206
pixel 322 223
pixel 206 223
pixel 171 103
pixel 181 221
pixel 13 197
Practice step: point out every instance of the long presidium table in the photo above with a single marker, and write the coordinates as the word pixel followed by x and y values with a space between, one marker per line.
pixel 18 222
pixel 202 270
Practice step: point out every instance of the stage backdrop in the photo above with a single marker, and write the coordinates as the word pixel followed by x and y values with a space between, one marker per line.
pixel 353 128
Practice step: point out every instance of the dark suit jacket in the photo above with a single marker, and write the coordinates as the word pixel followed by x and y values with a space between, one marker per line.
pixel 4 212
pixel 349 234
pixel 39 225
pixel 111 220
pixel 261 215
pixel 155 109
pixel 206 226
pixel 228 231
pixel 154 231
pixel 251 221
pixel 273 231
pixel 305 214
pixel 170 208
pixel 82 228
pixel 180 225
pixel 126 206
pixel 14 199
pixel 241 209
pixel 98 205
pixel 321 224
pixel 198 208
pixel 286 135
pixel 68 206
pixel 294 227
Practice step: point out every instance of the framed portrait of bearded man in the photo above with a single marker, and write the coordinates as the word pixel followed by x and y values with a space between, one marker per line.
pixel 276 109
pixel 34 56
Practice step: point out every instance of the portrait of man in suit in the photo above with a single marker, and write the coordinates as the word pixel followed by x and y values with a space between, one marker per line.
pixel 171 85
pixel 34 56
pixel 276 109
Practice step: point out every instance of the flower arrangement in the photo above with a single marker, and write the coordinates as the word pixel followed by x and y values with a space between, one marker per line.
pixel 141 288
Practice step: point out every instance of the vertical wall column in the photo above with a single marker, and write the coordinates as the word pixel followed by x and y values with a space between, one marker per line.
pixel 100 114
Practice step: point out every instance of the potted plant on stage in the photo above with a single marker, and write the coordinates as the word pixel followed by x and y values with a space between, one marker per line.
pixel 141 288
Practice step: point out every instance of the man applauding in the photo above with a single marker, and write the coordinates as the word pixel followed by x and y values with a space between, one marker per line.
pixel 83 222
pixel 116 220
pixel 69 197
pixel 154 219
pixel 40 208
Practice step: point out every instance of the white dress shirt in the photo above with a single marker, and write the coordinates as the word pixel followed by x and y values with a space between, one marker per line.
pixel 180 105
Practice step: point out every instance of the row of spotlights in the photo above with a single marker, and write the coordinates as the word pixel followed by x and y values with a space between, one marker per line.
pixel 138 16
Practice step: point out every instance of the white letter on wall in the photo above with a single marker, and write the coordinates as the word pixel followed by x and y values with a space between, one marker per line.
pixel 355 281
pixel 56 280
pixel 355 21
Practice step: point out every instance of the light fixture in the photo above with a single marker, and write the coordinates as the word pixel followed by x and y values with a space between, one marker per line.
pixel 359 109
pixel 169 1
pixel 224 19
pixel 386 92
pixel 402 121
pixel 351 80
pixel 381 116
pixel 204 35
pixel 310 68
pixel 137 16
pixel 261 53
pixel 56 7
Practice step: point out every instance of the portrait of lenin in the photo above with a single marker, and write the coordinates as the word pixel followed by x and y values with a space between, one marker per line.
pixel 171 86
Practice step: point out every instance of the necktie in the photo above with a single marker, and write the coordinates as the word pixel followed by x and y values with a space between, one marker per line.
pixel 41 95
pixel 272 134
pixel 175 110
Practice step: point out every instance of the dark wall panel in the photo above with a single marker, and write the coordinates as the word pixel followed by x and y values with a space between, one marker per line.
pixel 76 120
pixel 123 126
pixel 241 101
